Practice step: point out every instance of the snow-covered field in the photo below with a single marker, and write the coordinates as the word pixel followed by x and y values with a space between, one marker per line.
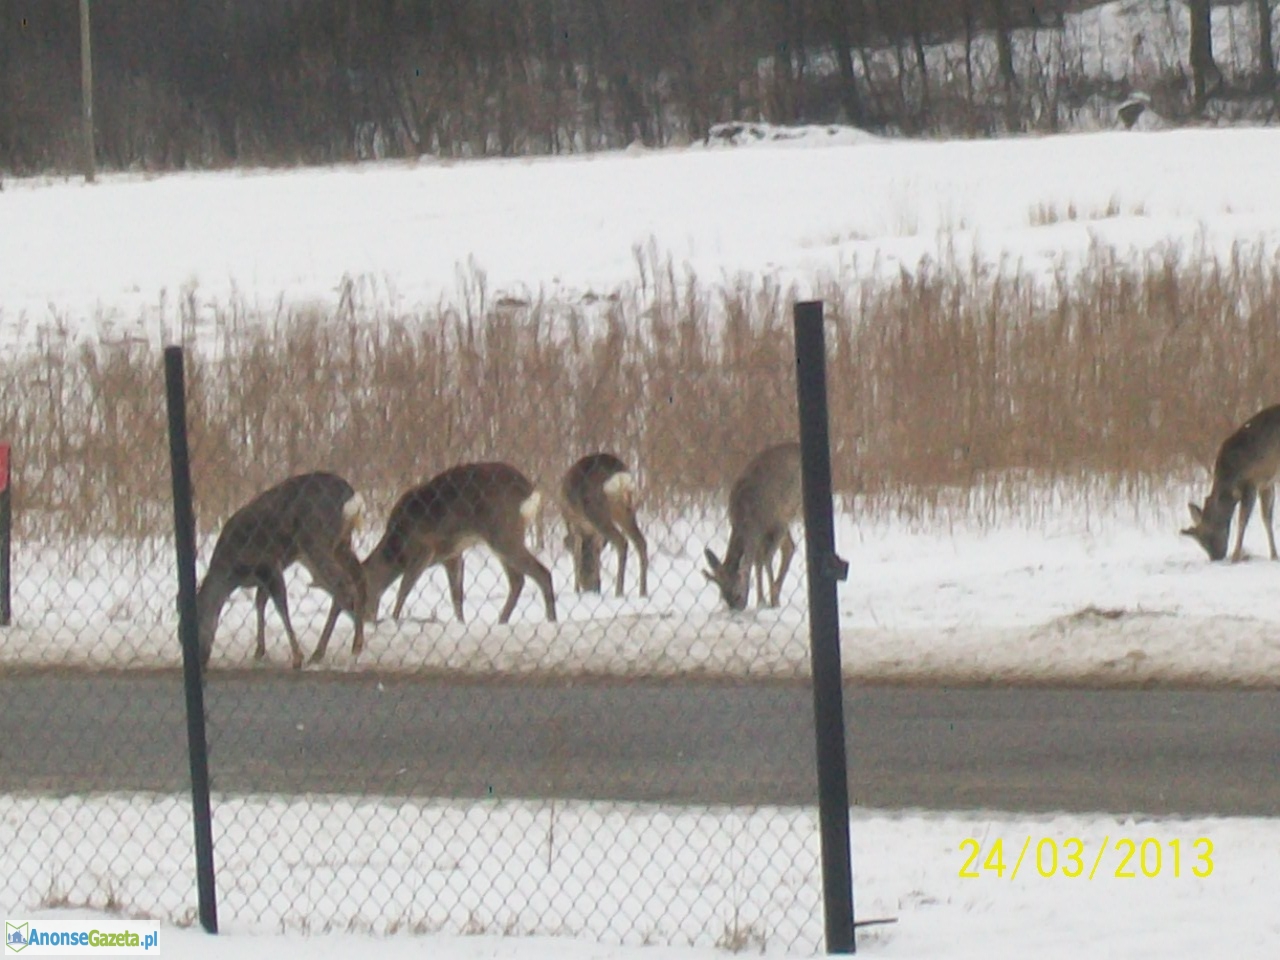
pixel 595 876
pixel 1102 598
pixel 119 259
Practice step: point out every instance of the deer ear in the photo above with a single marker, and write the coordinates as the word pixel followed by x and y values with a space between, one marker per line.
pixel 1197 515
pixel 712 562
pixel 1188 532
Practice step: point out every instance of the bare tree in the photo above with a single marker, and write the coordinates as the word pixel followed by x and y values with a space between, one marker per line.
pixel 240 81
pixel 1202 66
pixel 1004 52
pixel 1266 52
pixel 86 90
pixel 970 30
pixel 842 37
pixel 1004 42
pixel 788 19
pixel 919 23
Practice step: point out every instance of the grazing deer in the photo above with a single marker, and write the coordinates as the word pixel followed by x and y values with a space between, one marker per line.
pixel 490 503
pixel 764 502
pixel 307 519
pixel 598 501
pixel 1246 470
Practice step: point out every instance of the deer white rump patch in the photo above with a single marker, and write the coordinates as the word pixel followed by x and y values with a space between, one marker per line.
pixel 620 486
pixel 353 510
pixel 529 509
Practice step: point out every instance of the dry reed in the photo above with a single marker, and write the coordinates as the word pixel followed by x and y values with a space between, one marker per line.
pixel 954 389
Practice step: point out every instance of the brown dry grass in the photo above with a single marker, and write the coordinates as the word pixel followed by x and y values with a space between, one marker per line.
pixel 952 390
pixel 1048 213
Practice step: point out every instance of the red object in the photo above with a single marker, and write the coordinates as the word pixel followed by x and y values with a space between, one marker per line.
pixel 4 467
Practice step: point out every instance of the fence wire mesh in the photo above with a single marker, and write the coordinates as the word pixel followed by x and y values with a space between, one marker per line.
pixel 530 741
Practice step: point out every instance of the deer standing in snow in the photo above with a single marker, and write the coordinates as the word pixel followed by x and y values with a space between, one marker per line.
pixel 307 519
pixel 489 503
pixel 765 501
pixel 1245 471
pixel 598 501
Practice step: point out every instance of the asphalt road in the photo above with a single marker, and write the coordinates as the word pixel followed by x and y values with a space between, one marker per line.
pixel 1155 752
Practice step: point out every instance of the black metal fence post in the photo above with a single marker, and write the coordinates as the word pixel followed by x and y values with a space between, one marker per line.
pixel 824 569
pixel 6 533
pixel 185 538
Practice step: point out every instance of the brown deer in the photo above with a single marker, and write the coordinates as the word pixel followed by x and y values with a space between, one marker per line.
pixel 1245 471
pixel 597 498
pixel 307 519
pixel 490 503
pixel 763 504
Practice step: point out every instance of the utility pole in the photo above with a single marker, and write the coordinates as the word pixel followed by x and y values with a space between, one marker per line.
pixel 86 90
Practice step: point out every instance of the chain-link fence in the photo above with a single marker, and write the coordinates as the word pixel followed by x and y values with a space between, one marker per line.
pixel 509 733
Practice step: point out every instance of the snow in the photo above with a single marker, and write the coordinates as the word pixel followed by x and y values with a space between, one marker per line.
pixel 123 257
pixel 1087 595
pixel 392 874
pixel 1073 593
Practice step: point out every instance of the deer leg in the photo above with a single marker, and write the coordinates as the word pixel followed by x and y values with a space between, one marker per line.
pixel 573 543
pixel 632 530
pixel 589 549
pixel 338 571
pixel 542 577
pixel 518 563
pixel 410 577
pixel 349 588
pixel 453 570
pixel 619 543
pixel 768 547
pixel 330 622
pixel 1247 498
pixel 762 566
pixel 359 591
pixel 515 580
pixel 260 607
pixel 275 583
pixel 597 561
pixel 577 541
pixel 1268 497
pixel 788 548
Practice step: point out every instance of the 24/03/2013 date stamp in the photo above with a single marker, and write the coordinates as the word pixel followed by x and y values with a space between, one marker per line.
pixel 1071 858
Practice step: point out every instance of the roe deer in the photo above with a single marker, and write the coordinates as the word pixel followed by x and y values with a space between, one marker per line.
pixel 764 502
pixel 490 503
pixel 598 502
pixel 307 519
pixel 1246 470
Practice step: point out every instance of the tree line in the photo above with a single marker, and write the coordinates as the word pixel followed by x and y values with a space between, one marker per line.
pixel 219 82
